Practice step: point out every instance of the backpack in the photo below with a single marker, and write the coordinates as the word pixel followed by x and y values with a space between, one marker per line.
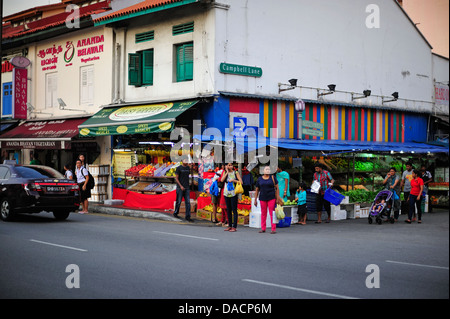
pixel 91 181
pixel 214 189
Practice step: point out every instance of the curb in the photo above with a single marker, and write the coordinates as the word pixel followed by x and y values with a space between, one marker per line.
pixel 133 213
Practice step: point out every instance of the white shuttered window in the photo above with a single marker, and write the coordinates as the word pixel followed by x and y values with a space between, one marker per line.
pixel 51 90
pixel 87 85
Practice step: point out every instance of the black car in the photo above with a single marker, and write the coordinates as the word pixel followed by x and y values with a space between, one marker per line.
pixel 36 188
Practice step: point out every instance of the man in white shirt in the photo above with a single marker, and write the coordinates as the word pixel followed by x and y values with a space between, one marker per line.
pixel 82 180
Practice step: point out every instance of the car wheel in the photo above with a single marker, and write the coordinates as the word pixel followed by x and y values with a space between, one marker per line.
pixel 62 215
pixel 6 212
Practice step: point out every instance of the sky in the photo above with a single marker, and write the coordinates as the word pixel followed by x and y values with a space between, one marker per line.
pixel 432 17
pixel 14 6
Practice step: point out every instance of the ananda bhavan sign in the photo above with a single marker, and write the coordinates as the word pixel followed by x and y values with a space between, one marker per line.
pixel 86 49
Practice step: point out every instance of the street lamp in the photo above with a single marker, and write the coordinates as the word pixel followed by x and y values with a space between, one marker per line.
pixel 300 107
pixel 331 90
pixel 293 85
pixel 366 94
pixel 395 98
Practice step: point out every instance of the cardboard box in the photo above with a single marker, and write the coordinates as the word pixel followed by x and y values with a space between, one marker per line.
pixel 183 207
pixel 242 220
pixel 203 214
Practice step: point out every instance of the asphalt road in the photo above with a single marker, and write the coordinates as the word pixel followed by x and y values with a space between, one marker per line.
pixel 121 257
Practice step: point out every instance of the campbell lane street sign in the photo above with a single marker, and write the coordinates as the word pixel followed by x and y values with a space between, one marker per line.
pixel 243 70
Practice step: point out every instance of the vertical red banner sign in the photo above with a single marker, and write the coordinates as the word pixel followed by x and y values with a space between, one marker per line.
pixel 20 88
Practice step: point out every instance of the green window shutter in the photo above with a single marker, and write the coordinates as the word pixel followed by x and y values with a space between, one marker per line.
pixel 189 62
pixel 145 36
pixel 185 62
pixel 183 28
pixel 134 69
pixel 147 67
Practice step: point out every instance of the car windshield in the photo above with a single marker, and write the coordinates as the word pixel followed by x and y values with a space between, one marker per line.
pixel 37 172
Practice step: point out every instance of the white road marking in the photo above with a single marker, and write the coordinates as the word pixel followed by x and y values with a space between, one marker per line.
pixel 56 245
pixel 300 289
pixel 189 236
pixel 418 265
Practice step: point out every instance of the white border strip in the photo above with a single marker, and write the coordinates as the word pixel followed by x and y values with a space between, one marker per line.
pixel 419 265
pixel 299 289
pixel 189 236
pixel 56 245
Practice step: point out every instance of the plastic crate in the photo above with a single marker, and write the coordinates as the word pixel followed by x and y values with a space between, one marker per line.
pixel 285 222
pixel 333 197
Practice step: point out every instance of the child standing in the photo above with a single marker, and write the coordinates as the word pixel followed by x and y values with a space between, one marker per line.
pixel 300 197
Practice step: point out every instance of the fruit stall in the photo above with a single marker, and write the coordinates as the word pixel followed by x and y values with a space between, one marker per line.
pixel 144 177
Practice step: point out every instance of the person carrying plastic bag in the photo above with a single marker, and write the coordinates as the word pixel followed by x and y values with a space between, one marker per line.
pixel 267 190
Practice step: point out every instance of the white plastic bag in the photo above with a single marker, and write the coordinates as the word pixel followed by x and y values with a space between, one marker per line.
pixel 279 212
pixel 315 187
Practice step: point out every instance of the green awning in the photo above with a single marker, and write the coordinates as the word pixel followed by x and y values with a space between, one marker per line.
pixel 141 119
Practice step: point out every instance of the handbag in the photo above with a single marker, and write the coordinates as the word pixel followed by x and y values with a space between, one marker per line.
pixel 239 189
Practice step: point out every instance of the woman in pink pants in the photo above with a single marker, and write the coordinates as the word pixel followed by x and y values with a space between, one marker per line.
pixel 267 189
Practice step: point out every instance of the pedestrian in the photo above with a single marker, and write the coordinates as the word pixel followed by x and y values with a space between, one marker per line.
pixel 231 177
pixel 68 174
pixel 283 183
pixel 268 194
pixel 34 159
pixel 427 179
pixel 215 199
pixel 82 175
pixel 415 194
pixel 300 197
pixel 406 183
pixel 83 161
pixel 392 183
pixel 182 179
pixel 326 181
pixel 247 178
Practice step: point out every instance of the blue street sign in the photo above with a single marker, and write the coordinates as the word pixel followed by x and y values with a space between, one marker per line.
pixel 239 126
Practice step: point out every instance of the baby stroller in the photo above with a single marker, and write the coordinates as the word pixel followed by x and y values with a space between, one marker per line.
pixel 385 210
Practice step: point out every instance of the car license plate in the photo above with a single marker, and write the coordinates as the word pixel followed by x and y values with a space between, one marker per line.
pixel 56 189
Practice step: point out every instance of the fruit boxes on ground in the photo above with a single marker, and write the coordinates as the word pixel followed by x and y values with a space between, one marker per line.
pixel 242 220
pixel 183 207
pixel 203 214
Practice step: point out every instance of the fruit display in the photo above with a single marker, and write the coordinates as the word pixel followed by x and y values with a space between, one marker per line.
pixel 243 212
pixel 147 171
pixel 246 200
pixel 290 203
pixel 209 208
pixel 150 170
pixel 134 171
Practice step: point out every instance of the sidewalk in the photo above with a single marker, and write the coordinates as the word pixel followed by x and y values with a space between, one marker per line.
pixel 121 210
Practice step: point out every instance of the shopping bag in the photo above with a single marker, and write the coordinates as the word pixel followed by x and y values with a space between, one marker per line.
pixel 279 212
pixel 239 189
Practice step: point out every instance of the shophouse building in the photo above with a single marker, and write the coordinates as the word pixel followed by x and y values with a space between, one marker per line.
pixel 364 73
